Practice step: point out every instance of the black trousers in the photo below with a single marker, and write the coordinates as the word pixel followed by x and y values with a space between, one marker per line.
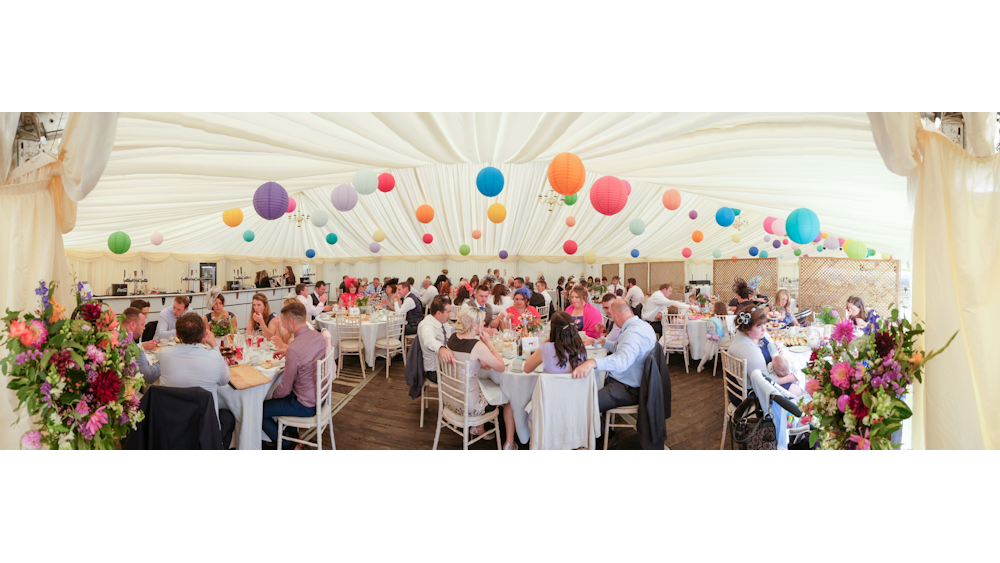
pixel 228 423
pixel 615 394
pixel 657 327
pixel 407 329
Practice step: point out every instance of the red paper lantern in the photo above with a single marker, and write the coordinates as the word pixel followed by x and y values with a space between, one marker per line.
pixel 428 238
pixel 386 182
pixel 570 247
pixel 425 213
pixel 686 252
pixel 566 173
pixel 608 195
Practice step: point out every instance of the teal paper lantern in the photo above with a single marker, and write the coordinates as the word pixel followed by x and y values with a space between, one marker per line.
pixel 570 199
pixel 725 216
pixel 119 242
pixel 464 250
pixel 637 226
pixel 310 253
pixel 735 211
pixel 819 248
pixel 763 254
pixel 802 225
pixel 248 236
pixel 716 253
pixel 331 238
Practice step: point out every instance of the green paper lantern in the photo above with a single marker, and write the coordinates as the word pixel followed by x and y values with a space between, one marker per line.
pixel 464 250
pixel 570 199
pixel 735 211
pixel 716 253
pixel 331 238
pixel 119 242
pixel 798 252
pixel 856 249
pixel 248 236
pixel 637 226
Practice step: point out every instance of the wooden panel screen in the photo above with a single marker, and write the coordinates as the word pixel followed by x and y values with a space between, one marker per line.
pixel 830 281
pixel 667 272
pixel 609 271
pixel 725 272
pixel 639 271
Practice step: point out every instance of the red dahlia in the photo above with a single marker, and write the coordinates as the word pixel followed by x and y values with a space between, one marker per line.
pixel 857 406
pixel 106 387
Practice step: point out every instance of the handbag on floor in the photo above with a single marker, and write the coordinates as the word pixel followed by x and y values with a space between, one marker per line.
pixel 751 428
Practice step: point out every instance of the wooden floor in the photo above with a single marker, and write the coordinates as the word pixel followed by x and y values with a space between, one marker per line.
pixel 380 415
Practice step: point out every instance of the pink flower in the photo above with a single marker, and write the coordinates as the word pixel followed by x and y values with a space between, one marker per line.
pixel 862 441
pixel 99 419
pixel 31 440
pixel 840 375
pixel 842 403
pixel 836 314
pixel 843 332
pixel 82 409
pixel 812 386
pixel 805 419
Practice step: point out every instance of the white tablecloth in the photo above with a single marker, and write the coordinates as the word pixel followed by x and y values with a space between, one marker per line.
pixel 797 362
pixel 248 408
pixel 370 332
pixel 697 334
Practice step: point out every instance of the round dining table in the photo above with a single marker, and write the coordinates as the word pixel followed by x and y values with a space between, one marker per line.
pixel 370 332
pixel 247 406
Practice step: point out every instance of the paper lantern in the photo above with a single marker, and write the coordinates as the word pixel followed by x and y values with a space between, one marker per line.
pixel 767 238
pixel 428 238
pixel 570 199
pixel 232 217
pixel 802 225
pixel 569 247
pixel 805 256
pixel 763 254
pixel 716 253
pixel 736 237
pixel 464 250
pixel 778 226
pixel 570 221
pixel 566 174
pixel 776 243
pixel 156 239
pixel 489 181
pixel 635 253
pixel 291 205
pixel 797 252
pixel 497 213
pixel 590 257
pixel 365 181
pixel 886 256
pixel 841 241
pixel 686 253
pixel 608 196
pixel 386 182
pixel 767 225
pixel 871 252
pixel 425 214
pixel 270 201
pixel 754 251
pixel 697 236
pixel 824 235
pixel 476 234
pixel 736 211
pixel 344 198
pixel 378 236
pixel 628 187
pixel 735 259
pixel 331 238
pixel 818 238
pixel 248 236
pixel 725 216
pixel 503 254
pixel 637 226
pixel 119 242
pixel 672 199
pixel 310 253
pixel 819 248
pixel 693 214
pixel 374 247
pixel 784 241
pixel 319 218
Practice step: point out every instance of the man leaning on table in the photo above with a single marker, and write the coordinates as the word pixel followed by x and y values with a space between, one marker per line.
pixel 434 332
pixel 295 394
pixel 657 304
pixel 320 297
pixel 166 327
pixel 302 292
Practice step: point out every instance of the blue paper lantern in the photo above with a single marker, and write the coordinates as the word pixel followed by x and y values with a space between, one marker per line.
pixel 331 238
pixel 635 253
pixel 489 181
pixel 753 251
pixel 725 216
pixel 310 253
pixel 802 225
pixel 270 201
pixel 248 236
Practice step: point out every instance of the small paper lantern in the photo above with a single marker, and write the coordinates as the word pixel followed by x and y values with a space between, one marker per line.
pixel 464 250
pixel 232 217
pixel 248 236
pixel 735 211
pixel 489 181
pixel 608 196
pixel 686 253
pixel 570 221
pixel 291 205
pixel 503 254
pixel 270 201
pixel 374 247
pixel 156 239
pixel 310 253
pixel 818 238
pixel 802 225
pixel 697 236
pixel 693 214
pixel 754 251
pixel 819 248
pixel 763 254
pixel 425 214
pixel 428 238
pixel 566 174
pixel 378 236
pixel 886 256
pixel 476 234
pixel 386 182
pixel 590 257
pixel 736 237
pixel 856 249
pixel 672 199
pixel 331 238
pixel 570 199
pixel 716 253
pixel 767 238
pixel 778 226
pixel 635 253
pixel 365 181
pixel 725 216
pixel 319 218
pixel 797 252
pixel 119 242
pixel 871 252
pixel 628 187
pixel 784 241
pixel 637 226
pixel 569 247
pixel 344 198
pixel 767 225
pixel 776 243
pixel 497 213
pixel 735 259
pixel 824 235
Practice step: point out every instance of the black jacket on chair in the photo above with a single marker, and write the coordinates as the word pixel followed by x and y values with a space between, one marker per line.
pixel 654 400
pixel 177 419
pixel 414 368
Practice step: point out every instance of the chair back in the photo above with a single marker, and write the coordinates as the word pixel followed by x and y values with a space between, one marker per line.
pixel 328 338
pixel 326 372
pixel 543 311
pixel 348 328
pixel 394 325
pixel 728 323
pixel 734 377
pixel 674 328
pixel 453 384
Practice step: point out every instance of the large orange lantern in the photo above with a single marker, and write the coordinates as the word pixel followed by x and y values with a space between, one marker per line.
pixel 425 213
pixel 566 173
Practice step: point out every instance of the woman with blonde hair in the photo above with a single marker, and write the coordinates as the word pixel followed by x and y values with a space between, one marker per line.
pixel 783 304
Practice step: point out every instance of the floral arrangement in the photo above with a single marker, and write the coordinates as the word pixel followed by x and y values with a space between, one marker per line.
pixel 857 384
pixel 828 316
pixel 221 326
pixel 361 301
pixel 77 375
pixel 530 323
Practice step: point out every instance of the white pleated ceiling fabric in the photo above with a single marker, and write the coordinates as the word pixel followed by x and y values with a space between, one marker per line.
pixel 176 173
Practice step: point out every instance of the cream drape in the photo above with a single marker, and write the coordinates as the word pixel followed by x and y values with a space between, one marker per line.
pixel 955 200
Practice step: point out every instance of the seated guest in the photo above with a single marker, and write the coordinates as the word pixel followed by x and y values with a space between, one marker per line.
pixel 608 329
pixel 388 294
pixel 295 394
pixel 743 294
pixel 443 277
pixel 302 294
pixel 501 300
pixel 783 304
pixel 482 300
pixel 657 304
pixel 261 317
pixel 289 276
pixel 540 289
pixel 196 362
pixel 473 283
pixel 320 297
pixel 428 294
pixel 616 284
pixel 784 377
pixel 147 338
pixel 633 296
pixel 406 303
pixel 857 314
pixel 343 284
pixel 715 334
pixel 134 324
pixel 563 351
pixel 434 331
pixel 586 317
pixel 464 294
pixel 693 300
pixel 218 312
pixel 521 308
pixel 625 361
pixel 374 287
pixel 351 295
pixel 446 290
pixel 284 337
pixel 470 344
pixel 168 318
pixel 750 326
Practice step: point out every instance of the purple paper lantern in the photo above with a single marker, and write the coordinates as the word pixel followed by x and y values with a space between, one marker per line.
pixel 344 198
pixel 270 201
pixel 693 214
pixel 776 243
pixel 503 254
pixel 374 247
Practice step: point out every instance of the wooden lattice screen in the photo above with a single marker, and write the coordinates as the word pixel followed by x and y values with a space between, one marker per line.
pixel 609 271
pixel 830 281
pixel 725 272
pixel 667 272
pixel 639 271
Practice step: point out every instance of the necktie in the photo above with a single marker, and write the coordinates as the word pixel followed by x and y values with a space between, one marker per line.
pixel 444 334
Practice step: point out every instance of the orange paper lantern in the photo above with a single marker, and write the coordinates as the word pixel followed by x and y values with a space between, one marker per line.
pixel 672 199
pixel 570 221
pixel 566 173
pixel 697 236
pixel 232 217
pixel 497 213
pixel 476 234
pixel 425 213
pixel 735 259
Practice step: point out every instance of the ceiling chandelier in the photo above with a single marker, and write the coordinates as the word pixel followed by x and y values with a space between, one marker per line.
pixel 298 217
pixel 740 223
pixel 552 199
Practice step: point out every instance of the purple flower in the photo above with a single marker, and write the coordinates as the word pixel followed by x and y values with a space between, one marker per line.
pixel 842 403
pixel 46 390
pixel 123 419
pixel 31 440
pixel 836 314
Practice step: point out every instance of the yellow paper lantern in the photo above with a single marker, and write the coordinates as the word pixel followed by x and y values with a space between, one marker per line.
pixel 736 237
pixel 824 235
pixel 497 213
pixel 378 235
pixel 590 257
pixel 232 217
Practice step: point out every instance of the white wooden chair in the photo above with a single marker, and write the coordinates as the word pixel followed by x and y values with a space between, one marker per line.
pixel 728 322
pixel 629 415
pixel 349 342
pixel 675 336
pixel 392 344
pixel 453 380
pixel 407 342
pixel 424 399
pixel 326 372
pixel 734 381
pixel 543 312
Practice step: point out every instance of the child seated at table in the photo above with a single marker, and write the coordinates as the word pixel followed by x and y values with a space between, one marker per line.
pixel 784 376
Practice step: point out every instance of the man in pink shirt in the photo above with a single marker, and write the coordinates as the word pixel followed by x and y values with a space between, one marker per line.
pixel 295 394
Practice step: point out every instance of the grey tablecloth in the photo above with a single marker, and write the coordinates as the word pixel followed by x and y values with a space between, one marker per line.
pixel 248 408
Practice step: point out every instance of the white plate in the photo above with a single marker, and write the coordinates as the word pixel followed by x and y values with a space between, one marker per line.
pixel 799 349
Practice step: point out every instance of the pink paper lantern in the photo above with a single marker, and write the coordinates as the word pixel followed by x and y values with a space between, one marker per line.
pixel 156 239
pixel 386 182
pixel 784 241
pixel 569 247
pixel 291 205
pixel 767 225
pixel 686 252
pixel 628 187
pixel 778 226
pixel 608 195
pixel 818 238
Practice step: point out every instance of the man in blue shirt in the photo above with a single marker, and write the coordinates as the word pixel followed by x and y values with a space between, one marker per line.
pixel 624 362
pixel 372 288
pixel 165 328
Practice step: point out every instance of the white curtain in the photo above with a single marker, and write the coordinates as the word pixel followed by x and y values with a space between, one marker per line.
pixel 955 201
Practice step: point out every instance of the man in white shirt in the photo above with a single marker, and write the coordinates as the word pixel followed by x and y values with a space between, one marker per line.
pixel 320 297
pixel 302 292
pixel 633 296
pixel 657 304
pixel 429 293
pixel 542 287
pixel 616 284
pixel 168 318
pixel 434 332
pixel 406 303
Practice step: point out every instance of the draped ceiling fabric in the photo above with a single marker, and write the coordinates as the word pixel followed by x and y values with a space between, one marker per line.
pixel 176 173
pixel 955 201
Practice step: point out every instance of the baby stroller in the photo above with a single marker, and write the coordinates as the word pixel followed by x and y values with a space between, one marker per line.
pixel 760 421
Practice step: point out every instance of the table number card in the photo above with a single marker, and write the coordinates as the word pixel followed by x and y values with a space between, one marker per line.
pixel 529 344
pixel 354 311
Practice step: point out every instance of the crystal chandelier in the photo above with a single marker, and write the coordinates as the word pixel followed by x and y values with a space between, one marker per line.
pixel 552 199
pixel 740 223
pixel 298 217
